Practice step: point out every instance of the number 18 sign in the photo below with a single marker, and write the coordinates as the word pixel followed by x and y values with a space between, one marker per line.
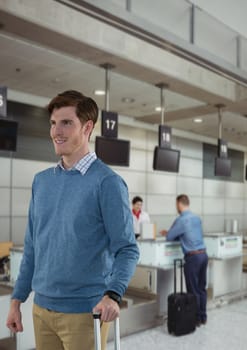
pixel 109 124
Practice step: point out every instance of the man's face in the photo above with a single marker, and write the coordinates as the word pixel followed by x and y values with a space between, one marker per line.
pixel 137 206
pixel 67 132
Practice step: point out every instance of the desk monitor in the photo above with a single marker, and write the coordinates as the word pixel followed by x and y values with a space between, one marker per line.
pixel 223 167
pixel 113 151
pixel 166 159
pixel 8 135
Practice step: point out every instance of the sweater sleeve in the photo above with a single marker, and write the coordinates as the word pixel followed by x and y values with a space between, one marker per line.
pixel 118 223
pixel 23 284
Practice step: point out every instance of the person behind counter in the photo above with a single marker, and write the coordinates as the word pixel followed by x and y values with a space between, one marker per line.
pixel 187 228
pixel 78 257
pixel 139 216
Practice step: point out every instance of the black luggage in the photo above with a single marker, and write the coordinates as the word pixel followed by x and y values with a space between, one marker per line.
pixel 182 308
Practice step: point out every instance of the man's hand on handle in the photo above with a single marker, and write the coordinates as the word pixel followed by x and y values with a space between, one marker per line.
pixel 108 309
pixel 14 322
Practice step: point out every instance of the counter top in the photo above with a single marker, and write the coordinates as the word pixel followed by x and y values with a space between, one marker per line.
pixel 158 241
pixel 222 234
pixel 17 248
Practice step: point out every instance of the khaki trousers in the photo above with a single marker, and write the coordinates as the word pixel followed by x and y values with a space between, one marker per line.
pixel 59 331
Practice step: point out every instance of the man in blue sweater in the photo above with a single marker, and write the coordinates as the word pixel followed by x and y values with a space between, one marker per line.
pixel 187 228
pixel 80 250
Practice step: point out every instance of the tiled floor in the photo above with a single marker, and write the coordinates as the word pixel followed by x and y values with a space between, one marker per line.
pixel 226 330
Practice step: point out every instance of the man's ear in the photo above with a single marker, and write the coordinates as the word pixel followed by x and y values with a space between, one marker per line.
pixel 88 127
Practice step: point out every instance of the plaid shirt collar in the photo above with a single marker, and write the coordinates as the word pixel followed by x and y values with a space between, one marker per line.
pixel 82 165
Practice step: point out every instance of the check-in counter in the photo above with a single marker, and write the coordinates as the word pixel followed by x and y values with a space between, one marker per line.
pixel 159 252
pixel 25 339
pixel 225 263
pixel 154 272
pixel 155 267
pixel 5 295
pixel 16 254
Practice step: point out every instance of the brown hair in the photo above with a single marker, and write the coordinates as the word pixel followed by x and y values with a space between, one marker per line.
pixel 136 199
pixel 85 107
pixel 184 199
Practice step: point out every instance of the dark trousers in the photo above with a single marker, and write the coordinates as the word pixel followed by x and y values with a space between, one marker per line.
pixel 195 271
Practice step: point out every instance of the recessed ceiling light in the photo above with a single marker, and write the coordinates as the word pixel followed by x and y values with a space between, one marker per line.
pixel 56 80
pixel 99 92
pixel 128 100
pixel 197 120
pixel 157 109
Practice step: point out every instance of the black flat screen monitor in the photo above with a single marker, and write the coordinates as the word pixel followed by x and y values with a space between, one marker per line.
pixel 113 151
pixel 166 159
pixel 8 135
pixel 223 167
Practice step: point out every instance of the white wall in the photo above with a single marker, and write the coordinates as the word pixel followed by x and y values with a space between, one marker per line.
pixel 215 201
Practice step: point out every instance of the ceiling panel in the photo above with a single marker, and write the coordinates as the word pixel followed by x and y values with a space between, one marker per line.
pixel 36 70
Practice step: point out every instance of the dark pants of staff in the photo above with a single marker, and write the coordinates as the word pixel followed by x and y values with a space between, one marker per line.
pixel 195 271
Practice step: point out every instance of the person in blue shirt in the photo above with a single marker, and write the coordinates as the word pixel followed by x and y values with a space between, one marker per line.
pixel 80 249
pixel 187 228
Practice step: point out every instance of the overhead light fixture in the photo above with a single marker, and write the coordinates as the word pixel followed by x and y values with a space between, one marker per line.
pixel 197 120
pixel 158 109
pixel 99 92
pixel 56 80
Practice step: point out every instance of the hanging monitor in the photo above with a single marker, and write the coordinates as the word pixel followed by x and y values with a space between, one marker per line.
pixel 223 167
pixel 166 159
pixel 112 151
pixel 8 135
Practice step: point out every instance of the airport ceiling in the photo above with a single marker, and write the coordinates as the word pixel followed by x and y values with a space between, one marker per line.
pixel 31 68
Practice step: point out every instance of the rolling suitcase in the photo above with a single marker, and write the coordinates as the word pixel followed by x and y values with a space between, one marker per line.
pixel 97 336
pixel 182 308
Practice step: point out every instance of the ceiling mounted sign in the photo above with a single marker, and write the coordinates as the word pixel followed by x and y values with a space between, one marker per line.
pixel 3 101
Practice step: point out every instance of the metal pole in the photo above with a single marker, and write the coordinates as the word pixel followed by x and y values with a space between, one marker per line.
pixel 107 89
pixel 162 105
pixel 107 67
pixel 220 123
pixel 128 5
pixel 239 51
pixel 220 106
pixel 192 24
pixel 162 87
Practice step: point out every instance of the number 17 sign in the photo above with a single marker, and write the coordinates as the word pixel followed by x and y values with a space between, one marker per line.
pixel 109 124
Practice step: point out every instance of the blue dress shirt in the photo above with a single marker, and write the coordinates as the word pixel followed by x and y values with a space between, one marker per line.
pixel 187 228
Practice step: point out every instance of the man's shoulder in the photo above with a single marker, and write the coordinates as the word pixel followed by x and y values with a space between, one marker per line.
pixel 188 215
pixel 102 170
pixel 45 173
pixel 193 216
pixel 105 176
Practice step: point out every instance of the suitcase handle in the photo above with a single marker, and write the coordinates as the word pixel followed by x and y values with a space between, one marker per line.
pixel 175 274
pixel 97 335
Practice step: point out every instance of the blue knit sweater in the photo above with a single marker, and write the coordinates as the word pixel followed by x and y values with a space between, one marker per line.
pixel 79 240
